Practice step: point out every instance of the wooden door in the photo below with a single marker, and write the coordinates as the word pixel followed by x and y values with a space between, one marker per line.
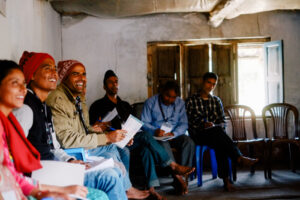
pixel 223 66
pixel 163 65
pixel 196 64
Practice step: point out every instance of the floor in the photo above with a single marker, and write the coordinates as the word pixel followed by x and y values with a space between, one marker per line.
pixel 284 185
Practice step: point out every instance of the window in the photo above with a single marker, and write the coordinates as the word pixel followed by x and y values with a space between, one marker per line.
pixel 251 76
pixel 249 69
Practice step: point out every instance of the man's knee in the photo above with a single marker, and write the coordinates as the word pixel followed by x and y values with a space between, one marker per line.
pixel 146 136
pixel 187 141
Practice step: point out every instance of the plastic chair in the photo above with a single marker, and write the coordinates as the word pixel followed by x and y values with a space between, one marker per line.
pixel 238 116
pixel 78 153
pixel 200 149
pixel 137 109
pixel 279 115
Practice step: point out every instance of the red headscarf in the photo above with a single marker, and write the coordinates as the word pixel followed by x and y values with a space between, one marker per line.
pixel 64 68
pixel 30 61
pixel 26 157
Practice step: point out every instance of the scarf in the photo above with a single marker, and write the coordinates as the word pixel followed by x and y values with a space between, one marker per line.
pixel 26 157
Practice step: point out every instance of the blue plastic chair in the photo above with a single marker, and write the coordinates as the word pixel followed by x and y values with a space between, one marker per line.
pixel 78 153
pixel 200 149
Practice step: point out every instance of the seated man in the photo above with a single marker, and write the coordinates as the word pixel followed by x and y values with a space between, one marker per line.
pixel 206 115
pixel 151 151
pixel 71 120
pixel 168 110
pixel 35 116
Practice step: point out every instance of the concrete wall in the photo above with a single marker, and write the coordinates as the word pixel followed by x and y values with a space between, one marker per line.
pixel 121 44
pixel 30 25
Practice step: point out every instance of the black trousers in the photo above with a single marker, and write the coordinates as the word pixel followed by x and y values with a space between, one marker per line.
pixel 216 138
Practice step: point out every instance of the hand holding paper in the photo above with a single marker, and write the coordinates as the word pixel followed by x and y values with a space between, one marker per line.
pixel 132 126
pixel 116 136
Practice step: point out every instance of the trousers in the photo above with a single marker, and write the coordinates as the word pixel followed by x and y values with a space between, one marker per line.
pixel 216 138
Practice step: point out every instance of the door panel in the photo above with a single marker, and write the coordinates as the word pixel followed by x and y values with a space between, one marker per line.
pixel 196 65
pixel 222 65
pixel 165 66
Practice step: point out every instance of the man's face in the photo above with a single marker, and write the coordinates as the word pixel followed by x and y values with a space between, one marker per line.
pixel 76 80
pixel 112 85
pixel 209 85
pixel 45 77
pixel 169 97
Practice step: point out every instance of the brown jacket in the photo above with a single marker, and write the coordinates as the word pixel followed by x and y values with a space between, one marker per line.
pixel 68 127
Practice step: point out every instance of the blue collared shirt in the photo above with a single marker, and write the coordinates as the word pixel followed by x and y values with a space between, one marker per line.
pixel 175 115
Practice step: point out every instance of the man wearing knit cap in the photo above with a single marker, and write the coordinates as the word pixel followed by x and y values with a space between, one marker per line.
pixel 71 120
pixel 41 76
pixel 150 150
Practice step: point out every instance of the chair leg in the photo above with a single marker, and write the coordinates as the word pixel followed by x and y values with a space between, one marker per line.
pixel 251 153
pixel 232 170
pixel 270 161
pixel 265 162
pixel 199 164
pixel 292 166
pixel 214 166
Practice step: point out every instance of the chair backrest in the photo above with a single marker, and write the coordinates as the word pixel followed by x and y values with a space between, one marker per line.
pixel 279 115
pixel 138 109
pixel 237 115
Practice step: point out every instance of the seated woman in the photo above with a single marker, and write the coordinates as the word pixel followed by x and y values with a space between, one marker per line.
pixel 15 146
pixel 41 77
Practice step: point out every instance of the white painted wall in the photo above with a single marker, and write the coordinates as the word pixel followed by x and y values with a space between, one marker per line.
pixel 121 44
pixel 30 25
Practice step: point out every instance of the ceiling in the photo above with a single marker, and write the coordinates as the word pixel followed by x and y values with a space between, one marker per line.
pixel 218 10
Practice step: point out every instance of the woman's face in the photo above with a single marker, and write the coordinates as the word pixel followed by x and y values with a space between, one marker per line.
pixel 12 91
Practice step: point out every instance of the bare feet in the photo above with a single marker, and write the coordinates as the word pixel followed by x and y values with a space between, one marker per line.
pixel 246 161
pixel 180 185
pixel 133 193
pixel 155 195
pixel 181 170
pixel 228 186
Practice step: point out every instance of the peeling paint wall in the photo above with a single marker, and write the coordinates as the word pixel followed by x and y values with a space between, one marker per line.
pixel 29 25
pixel 121 45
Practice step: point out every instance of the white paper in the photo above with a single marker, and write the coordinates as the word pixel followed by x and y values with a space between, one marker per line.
pixel 132 126
pixel 164 138
pixel 166 127
pixel 59 173
pixel 215 125
pixel 110 116
pixel 8 195
pixel 98 163
pixel 77 197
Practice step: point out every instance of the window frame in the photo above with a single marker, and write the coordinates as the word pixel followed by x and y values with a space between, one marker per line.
pixel 182 63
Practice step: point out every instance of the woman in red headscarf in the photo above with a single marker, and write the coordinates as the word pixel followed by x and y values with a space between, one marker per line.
pixel 13 144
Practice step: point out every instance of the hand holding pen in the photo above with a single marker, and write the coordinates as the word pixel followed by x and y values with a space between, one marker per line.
pixel 104 126
pixel 160 133
pixel 207 124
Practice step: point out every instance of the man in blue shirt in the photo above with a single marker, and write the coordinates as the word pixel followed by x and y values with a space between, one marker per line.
pixel 165 117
